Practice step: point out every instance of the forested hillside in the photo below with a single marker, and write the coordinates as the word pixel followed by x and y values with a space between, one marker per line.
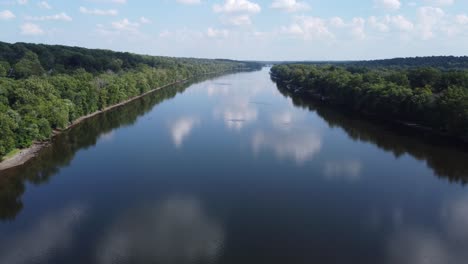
pixel 425 96
pixel 45 87
pixel 439 62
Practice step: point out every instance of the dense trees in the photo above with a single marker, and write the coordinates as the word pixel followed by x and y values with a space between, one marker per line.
pixel 425 96
pixel 47 87
pixel 440 62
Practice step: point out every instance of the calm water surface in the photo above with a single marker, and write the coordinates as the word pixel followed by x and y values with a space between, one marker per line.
pixel 231 170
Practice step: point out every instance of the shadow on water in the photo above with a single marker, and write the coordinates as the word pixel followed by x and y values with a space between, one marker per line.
pixel 447 159
pixel 64 146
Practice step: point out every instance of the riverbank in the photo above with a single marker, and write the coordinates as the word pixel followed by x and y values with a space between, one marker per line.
pixel 311 97
pixel 393 95
pixel 24 155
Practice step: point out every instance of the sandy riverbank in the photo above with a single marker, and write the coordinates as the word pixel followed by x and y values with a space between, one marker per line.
pixel 25 155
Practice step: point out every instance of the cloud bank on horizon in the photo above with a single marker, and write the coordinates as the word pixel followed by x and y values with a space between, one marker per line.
pixel 245 29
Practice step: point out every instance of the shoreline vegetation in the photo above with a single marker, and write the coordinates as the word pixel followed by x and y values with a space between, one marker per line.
pixel 45 89
pixel 21 156
pixel 424 99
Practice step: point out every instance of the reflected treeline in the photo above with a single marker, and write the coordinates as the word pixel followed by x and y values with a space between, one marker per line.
pixel 64 146
pixel 445 158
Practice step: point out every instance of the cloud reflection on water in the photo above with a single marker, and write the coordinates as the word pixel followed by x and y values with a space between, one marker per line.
pixel 181 129
pixel 413 244
pixel 52 233
pixel 176 231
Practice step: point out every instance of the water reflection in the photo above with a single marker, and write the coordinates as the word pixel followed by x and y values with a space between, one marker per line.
pixel 349 170
pixel 443 157
pixel 300 146
pixel 236 113
pixel 417 244
pixel 175 231
pixel 52 233
pixel 181 128
pixel 59 154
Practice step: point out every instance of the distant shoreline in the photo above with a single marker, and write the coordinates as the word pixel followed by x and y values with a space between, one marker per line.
pixel 24 155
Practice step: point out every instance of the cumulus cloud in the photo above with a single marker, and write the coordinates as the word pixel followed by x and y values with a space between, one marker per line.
pixel 387 23
pixel 99 12
pixel 440 2
pixel 215 33
pixel 58 17
pixel 6 15
pixel 234 6
pixel 428 19
pixel 462 19
pixel 145 20
pixel 189 2
pixel 125 25
pixel 390 5
pixel 290 5
pixel 308 28
pixel 239 20
pixel 44 5
pixel 31 29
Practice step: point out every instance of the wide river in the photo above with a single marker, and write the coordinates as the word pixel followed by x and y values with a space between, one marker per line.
pixel 231 170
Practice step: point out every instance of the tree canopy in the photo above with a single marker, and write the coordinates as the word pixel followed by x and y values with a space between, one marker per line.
pixel 425 96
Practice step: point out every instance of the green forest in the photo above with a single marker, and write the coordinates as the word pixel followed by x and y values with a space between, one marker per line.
pixel 45 88
pixel 424 96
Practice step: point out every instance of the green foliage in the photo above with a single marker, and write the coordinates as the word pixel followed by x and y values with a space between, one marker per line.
pixel 29 65
pixel 79 82
pixel 426 96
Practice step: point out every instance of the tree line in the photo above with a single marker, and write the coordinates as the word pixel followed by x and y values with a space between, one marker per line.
pixel 45 87
pixel 426 96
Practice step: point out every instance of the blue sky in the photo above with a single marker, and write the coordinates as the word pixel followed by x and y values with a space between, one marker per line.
pixel 245 29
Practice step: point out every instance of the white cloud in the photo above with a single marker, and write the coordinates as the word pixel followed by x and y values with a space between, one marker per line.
pixel 378 25
pixel 99 12
pixel 401 23
pixel 189 2
pixel 125 25
pixel 290 5
pixel 308 28
pixel 145 20
pixel 428 18
pixel 462 19
pixel 337 22
pixel 6 15
pixel 44 5
pixel 233 6
pixel 238 20
pixel 358 28
pixel 110 1
pixel 440 2
pixel 386 23
pixel 31 29
pixel 22 2
pixel 60 17
pixel 390 5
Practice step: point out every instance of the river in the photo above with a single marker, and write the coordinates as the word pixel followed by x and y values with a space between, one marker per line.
pixel 231 170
